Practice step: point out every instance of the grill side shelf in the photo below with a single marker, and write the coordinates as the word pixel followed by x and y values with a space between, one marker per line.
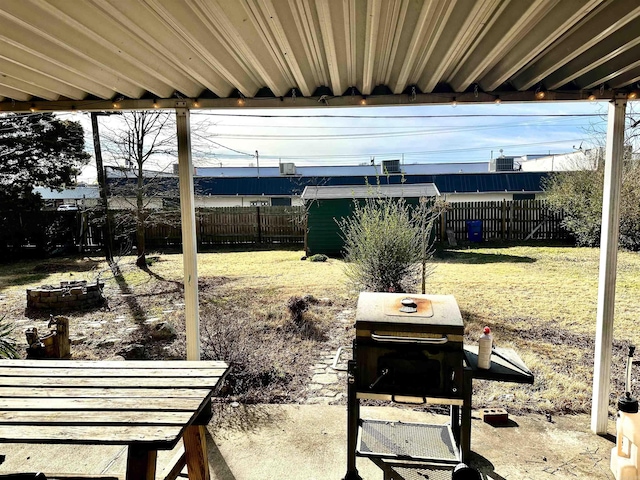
pixel 410 441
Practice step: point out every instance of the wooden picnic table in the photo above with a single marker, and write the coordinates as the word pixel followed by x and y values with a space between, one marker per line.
pixel 145 405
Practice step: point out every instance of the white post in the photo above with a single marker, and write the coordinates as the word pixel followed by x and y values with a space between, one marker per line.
pixel 189 244
pixel 608 264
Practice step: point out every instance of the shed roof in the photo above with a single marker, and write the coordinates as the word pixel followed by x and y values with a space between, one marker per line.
pixel 416 190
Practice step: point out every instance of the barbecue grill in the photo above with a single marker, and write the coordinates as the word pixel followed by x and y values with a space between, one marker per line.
pixel 408 349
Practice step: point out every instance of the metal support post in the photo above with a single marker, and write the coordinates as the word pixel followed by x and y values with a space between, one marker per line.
pixel 353 419
pixel 608 264
pixel 189 245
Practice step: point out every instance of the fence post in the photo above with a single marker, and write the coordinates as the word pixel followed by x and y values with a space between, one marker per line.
pixel 511 220
pixel 259 224
pixel 504 219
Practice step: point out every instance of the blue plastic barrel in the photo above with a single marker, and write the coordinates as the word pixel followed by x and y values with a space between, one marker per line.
pixel 474 229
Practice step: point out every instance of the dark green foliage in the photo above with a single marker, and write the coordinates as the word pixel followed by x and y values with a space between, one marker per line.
pixel 39 150
pixel 7 345
pixel 35 150
pixel 320 257
pixel 579 195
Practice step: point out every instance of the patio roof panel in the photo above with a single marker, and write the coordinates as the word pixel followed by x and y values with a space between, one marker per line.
pixel 72 53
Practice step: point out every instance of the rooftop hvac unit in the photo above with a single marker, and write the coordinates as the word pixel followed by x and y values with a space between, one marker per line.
pixel 390 166
pixel 287 169
pixel 501 164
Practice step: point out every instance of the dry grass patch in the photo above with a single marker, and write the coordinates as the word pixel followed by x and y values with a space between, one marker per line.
pixel 540 301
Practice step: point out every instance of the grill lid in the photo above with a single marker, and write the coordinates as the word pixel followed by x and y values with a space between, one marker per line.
pixel 408 312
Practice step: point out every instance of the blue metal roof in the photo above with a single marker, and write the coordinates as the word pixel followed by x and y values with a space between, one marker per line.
pixel 446 183
pixel 285 186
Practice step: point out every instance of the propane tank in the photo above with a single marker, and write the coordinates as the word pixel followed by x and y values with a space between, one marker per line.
pixel 624 456
pixel 485 345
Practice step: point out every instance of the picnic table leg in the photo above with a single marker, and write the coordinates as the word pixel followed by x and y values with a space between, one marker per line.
pixel 195 449
pixel 141 463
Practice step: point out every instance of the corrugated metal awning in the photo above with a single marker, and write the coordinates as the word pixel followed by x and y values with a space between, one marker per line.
pixel 104 54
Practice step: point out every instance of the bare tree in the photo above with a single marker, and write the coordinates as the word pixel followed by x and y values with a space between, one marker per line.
pixel 143 145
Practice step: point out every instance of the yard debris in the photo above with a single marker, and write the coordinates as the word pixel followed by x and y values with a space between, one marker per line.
pixel 495 416
pixel 163 331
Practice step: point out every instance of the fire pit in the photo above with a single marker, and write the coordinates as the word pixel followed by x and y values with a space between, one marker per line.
pixel 76 295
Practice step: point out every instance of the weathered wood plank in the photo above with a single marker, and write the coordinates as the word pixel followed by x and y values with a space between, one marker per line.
pixel 151 364
pixel 96 417
pixel 112 372
pixel 162 437
pixel 85 404
pixel 91 392
pixel 116 382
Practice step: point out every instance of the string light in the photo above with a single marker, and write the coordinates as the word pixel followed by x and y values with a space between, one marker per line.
pixel 632 95
pixel 540 93
pixel 241 101
pixel 592 98
pixel 33 108
pixel 497 101
pixel 155 103
pixel 196 104
pixel 454 102
pixel 116 101
pixel 363 101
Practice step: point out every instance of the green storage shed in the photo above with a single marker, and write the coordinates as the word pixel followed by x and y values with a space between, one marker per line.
pixel 325 205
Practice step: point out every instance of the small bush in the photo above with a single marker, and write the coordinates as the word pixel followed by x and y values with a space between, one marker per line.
pixel 7 344
pixel 319 257
pixel 297 306
pixel 388 244
pixel 269 357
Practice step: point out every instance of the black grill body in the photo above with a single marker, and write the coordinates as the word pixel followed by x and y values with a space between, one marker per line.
pixel 409 346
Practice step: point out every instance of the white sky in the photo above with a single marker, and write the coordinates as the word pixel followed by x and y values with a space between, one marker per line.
pixel 433 134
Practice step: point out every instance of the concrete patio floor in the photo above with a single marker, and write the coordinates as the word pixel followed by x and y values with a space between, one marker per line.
pixel 308 442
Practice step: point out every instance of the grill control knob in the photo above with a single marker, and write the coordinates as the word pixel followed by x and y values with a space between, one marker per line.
pixel 409 305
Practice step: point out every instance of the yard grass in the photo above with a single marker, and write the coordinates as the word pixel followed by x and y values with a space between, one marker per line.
pixel 540 301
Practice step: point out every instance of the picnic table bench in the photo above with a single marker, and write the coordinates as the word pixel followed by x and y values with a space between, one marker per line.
pixel 145 405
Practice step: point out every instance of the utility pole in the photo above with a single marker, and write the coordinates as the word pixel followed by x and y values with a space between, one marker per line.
pixel 258 163
pixel 102 182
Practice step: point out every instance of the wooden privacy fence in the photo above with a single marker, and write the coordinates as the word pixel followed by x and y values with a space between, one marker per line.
pixel 236 225
pixel 505 220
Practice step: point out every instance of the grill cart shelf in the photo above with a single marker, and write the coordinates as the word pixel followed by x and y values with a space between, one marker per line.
pixel 408 349
pixel 415 441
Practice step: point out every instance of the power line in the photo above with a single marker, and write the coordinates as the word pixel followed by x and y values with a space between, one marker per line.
pixel 424 152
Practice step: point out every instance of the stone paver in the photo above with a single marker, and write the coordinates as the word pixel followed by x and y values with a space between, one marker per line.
pixel 328 386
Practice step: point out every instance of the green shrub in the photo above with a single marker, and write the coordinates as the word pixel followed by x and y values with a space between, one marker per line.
pixel 319 257
pixel 388 244
pixel 7 344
